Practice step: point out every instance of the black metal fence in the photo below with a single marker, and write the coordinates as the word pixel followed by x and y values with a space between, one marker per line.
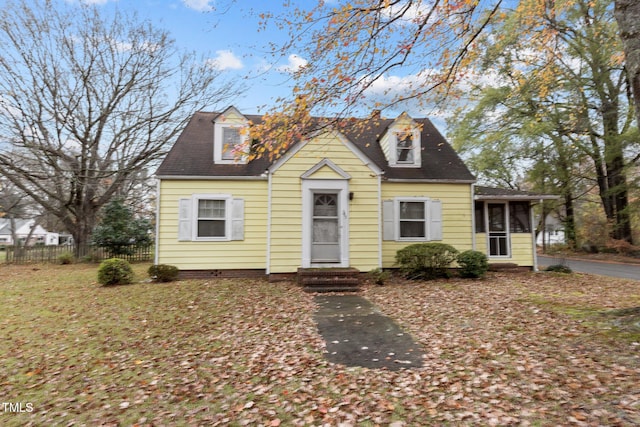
pixel 86 253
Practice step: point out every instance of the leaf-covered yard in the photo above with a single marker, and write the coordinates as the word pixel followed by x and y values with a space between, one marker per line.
pixel 521 349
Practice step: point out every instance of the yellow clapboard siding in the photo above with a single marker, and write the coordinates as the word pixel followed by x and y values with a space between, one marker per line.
pixel 247 253
pixel 456 213
pixel 521 249
pixel 286 253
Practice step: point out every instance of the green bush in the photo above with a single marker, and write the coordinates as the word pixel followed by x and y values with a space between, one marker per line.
pixel 559 268
pixel 115 271
pixel 163 273
pixel 473 264
pixel 379 276
pixel 65 258
pixel 426 260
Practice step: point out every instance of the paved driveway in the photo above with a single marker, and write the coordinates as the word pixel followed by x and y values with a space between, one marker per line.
pixel 612 269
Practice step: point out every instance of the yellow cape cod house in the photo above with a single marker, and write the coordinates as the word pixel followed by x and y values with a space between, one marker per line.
pixel 348 197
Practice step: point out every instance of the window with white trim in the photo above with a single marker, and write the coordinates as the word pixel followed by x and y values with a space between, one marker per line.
pixel 412 219
pixel 211 217
pixel 405 149
pixel 231 142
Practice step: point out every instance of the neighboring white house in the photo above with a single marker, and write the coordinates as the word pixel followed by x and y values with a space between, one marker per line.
pixel 22 230
pixel 553 232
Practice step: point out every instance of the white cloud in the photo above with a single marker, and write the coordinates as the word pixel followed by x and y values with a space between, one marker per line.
pixel 225 60
pixel 199 5
pixel 415 12
pixel 294 63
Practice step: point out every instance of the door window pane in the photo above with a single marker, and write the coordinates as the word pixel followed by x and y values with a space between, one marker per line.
pixel 325 230
pixel 325 205
pixel 497 220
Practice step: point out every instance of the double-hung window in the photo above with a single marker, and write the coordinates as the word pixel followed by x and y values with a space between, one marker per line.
pixel 405 149
pixel 412 220
pixel 231 141
pixel 405 152
pixel 416 219
pixel 212 218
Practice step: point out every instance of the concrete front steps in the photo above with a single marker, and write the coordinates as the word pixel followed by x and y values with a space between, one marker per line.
pixel 329 279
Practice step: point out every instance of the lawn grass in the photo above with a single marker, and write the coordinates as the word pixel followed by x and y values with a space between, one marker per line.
pixel 510 349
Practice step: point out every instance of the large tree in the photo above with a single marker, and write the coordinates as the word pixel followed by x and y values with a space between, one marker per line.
pixel 88 101
pixel 559 102
pixel 387 53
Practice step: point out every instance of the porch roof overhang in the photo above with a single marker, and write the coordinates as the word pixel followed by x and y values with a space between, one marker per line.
pixel 490 193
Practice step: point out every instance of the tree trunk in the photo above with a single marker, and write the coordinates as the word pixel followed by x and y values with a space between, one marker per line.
pixel 569 221
pixel 627 13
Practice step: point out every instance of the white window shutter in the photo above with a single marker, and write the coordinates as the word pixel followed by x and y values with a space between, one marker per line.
pixel 237 219
pixel 184 220
pixel 388 225
pixel 435 224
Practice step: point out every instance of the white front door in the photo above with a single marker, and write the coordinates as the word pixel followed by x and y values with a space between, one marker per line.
pixel 325 235
pixel 325 223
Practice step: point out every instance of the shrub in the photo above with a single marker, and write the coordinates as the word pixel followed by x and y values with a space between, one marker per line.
pixel 473 264
pixel 379 276
pixel 559 268
pixel 163 273
pixel 65 258
pixel 426 260
pixel 115 271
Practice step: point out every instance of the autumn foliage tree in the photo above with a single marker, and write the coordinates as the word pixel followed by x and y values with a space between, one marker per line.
pixel 414 54
pixel 559 105
pixel 88 101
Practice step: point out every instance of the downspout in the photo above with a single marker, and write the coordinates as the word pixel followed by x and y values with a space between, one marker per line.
pixel 473 217
pixel 380 221
pixel 267 268
pixel 156 249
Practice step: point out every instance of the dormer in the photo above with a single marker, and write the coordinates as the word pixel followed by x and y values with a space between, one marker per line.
pixel 401 143
pixel 229 136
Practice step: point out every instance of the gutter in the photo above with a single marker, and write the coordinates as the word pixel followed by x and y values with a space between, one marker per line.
pixel 212 178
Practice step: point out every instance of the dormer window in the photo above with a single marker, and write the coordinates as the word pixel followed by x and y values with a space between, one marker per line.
pixel 230 138
pixel 231 141
pixel 404 148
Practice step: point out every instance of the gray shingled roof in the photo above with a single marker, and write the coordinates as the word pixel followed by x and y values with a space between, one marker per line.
pixel 192 154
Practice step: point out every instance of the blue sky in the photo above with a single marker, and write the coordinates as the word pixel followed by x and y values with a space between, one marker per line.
pixel 226 33
pixel 229 35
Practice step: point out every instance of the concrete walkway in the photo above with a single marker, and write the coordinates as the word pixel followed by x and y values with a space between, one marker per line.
pixel 357 334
